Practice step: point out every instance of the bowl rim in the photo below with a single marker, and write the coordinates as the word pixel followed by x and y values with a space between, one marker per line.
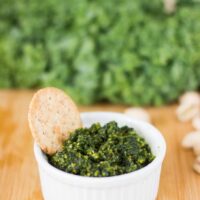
pixel 105 181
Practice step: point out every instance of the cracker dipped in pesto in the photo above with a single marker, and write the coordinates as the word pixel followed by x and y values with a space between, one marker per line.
pixel 102 151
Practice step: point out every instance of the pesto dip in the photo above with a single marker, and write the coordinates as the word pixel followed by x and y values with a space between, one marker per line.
pixel 101 151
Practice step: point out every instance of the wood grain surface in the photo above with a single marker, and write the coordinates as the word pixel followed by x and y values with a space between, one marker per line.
pixel 19 178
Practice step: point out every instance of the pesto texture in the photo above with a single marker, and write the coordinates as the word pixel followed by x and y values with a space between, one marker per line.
pixel 102 151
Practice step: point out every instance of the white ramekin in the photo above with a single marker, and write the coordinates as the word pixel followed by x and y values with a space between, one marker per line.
pixel 139 185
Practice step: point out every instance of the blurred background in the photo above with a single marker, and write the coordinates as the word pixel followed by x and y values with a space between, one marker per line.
pixel 119 51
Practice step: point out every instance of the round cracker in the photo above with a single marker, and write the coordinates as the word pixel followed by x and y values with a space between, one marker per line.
pixel 52 117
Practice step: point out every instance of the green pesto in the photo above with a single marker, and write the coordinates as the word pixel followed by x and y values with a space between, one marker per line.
pixel 102 151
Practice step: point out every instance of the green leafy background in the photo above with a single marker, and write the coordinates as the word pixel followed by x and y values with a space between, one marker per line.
pixel 121 51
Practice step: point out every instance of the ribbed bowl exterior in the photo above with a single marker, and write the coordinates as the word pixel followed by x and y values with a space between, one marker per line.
pixel 139 185
pixel 145 189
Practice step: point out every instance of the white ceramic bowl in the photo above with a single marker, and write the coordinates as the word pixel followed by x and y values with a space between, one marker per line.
pixel 139 185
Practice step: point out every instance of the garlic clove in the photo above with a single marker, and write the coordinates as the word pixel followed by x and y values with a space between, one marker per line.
pixel 191 97
pixel 138 113
pixel 198 159
pixel 196 165
pixel 196 123
pixel 196 149
pixel 192 139
pixel 187 111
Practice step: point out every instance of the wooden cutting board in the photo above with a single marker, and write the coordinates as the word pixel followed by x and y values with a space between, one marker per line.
pixel 19 178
